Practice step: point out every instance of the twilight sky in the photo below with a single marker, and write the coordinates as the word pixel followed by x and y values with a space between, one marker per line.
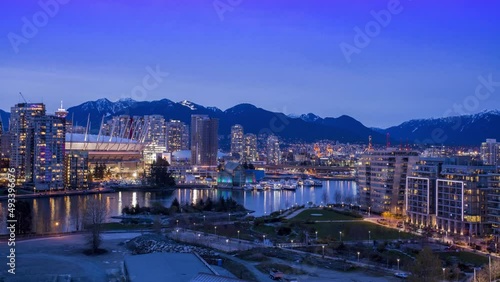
pixel 282 55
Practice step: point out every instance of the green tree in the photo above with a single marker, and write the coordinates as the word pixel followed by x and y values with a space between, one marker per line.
pixel 175 207
pixel 159 174
pixel 427 267
pixel 209 205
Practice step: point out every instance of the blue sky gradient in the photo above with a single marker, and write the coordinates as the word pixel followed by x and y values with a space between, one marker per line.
pixel 279 55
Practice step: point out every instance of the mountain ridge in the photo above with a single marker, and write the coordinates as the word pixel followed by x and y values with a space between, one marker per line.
pixel 456 130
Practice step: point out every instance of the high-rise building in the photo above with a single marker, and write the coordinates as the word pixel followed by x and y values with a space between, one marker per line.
pixel 490 152
pixel 204 140
pixel 381 179
pixel 46 139
pixel 77 170
pixel 156 130
pixel 177 136
pixel 273 150
pixel 61 112
pixel 21 115
pixel 237 140
pixel 5 140
pixel 461 194
pixel 421 192
pixel 493 204
pixel 250 153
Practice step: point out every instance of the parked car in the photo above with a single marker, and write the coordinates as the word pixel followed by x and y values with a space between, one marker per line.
pixel 276 274
pixel 403 275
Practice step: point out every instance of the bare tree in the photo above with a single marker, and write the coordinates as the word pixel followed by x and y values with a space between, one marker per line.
pixel 427 267
pixel 94 216
pixel 157 225
pixel 79 214
pixel 484 274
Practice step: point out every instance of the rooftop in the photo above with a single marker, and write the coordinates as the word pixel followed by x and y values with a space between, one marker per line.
pixel 91 138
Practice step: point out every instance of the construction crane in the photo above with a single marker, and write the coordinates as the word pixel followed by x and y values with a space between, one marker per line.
pixel 22 96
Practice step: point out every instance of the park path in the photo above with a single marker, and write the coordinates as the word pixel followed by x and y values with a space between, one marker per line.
pixel 250 266
pixel 359 264
pixel 295 213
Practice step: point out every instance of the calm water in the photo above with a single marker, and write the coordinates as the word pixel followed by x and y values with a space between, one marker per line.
pixel 62 214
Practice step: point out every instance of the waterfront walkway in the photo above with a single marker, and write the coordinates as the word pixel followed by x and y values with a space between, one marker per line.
pixel 49 194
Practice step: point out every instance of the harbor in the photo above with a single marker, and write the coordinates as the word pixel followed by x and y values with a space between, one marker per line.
pixel 61 214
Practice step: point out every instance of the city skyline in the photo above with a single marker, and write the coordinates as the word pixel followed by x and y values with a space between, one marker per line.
pixel 293 65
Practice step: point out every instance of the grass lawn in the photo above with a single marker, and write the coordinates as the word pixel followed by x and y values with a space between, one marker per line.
pixel 269 230
pixel 358 231
pixel 465 257
pixel 252 256
pixel 227 230
pixel 110 226
pixel 238 270
pixel 325 215
pixel 266 267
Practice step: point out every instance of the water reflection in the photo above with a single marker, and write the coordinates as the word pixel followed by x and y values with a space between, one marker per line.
pixel 64 214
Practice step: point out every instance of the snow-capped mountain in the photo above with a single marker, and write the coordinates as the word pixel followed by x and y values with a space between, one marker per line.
pixel 457 130
pixel 308 127
pixel 310 117
pixel 192 106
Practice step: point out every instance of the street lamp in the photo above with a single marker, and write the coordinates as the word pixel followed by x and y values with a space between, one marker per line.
pixel 177 221
pixel 358 255
pixel 229 216
pixel 489 265
pixel 398 264
pixel 316 235
pixel 199 235
pixel 238 235
pixel 263 239
pixel 340 236
pixel 215 230
pixel 444 269
pixel 369 236
pixel 203 219
pixel 323 247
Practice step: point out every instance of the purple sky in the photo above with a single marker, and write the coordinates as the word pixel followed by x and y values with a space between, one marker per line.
pixel 279 55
